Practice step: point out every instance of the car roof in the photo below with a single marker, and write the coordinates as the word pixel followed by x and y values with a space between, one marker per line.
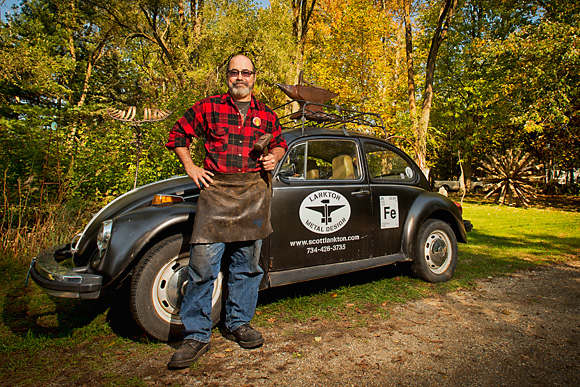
pixel 294 133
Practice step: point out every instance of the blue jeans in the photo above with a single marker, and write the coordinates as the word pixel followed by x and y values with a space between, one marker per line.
pixel 245 275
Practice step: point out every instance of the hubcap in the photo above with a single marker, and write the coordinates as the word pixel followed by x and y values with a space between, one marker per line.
pixel 437 252
pixel 169 288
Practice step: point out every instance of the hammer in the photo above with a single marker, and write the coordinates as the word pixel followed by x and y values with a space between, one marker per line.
pixel 262 146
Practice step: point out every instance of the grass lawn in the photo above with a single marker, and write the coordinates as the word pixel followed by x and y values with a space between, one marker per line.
pixel 41 336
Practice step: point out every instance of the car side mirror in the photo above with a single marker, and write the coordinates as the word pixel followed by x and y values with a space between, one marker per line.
pixel 288 170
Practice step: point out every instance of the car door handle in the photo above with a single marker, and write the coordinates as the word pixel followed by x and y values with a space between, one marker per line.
pixel 361 192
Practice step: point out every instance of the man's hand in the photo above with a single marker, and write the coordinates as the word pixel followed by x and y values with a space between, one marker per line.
pixel 198 175
pixel 269 162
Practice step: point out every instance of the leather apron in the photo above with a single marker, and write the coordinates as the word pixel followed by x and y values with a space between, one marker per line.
pixel 236 207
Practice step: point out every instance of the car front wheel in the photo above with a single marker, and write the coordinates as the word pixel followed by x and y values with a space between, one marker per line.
pixel 435 253
pixel 157 288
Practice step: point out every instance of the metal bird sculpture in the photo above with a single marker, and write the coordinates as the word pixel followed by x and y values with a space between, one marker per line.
pixel 149 115
pixel 128 116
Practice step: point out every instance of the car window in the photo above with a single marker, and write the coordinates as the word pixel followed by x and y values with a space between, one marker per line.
pixel 384 164
pixel 322 159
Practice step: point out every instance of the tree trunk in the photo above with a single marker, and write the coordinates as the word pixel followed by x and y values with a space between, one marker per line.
pixel 159 38
pixel 410 65
pixel 301 14
pixel 439 35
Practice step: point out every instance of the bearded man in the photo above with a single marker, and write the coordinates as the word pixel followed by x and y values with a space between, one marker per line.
pixel 233 210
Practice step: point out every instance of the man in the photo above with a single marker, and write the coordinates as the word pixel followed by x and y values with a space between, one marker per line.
pixel 233 210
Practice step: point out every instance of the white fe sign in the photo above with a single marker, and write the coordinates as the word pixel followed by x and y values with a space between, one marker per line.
pixel 389 211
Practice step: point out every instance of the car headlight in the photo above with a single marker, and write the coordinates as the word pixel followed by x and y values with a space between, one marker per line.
pixel 103 238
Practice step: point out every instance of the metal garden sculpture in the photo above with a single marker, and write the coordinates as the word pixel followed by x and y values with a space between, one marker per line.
pixel 128 116
pixel 511 177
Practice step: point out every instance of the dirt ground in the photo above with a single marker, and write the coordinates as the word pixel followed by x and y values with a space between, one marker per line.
pixel 519 330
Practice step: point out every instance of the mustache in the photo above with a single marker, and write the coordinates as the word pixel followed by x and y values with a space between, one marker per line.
pixel 240 82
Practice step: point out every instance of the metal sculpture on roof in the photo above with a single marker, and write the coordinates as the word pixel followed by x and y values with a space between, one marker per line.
pixel 311 98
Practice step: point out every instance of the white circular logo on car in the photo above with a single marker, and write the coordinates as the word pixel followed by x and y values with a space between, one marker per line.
pixel 324 212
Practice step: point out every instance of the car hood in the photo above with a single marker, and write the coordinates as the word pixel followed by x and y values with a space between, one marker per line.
pixel 139 197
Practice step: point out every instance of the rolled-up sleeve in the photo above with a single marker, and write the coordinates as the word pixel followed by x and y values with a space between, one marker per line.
pixel 277 140
pixel 187 127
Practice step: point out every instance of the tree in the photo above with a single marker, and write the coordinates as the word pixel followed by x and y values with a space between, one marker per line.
pixel 440 33
pixel 406 6
pixel 463 116
pixel 301 14
pixel 503 89
pixel 354 50
pixel 49 53
pixel 66 61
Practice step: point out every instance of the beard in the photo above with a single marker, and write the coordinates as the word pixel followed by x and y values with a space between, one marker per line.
pixel 240 89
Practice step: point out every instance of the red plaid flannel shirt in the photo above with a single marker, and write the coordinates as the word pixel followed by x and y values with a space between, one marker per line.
pixel 228 142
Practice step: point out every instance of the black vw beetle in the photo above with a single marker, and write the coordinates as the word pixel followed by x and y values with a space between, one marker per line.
pixel 342 201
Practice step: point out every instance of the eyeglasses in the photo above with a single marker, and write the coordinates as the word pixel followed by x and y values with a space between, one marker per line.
pixel 245 73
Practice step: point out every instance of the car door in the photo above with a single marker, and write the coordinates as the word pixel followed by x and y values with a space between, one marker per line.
pixel 394 184
pixel 321 205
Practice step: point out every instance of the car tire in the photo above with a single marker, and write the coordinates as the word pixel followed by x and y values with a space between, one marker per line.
pixel 157 288
pixel 435 253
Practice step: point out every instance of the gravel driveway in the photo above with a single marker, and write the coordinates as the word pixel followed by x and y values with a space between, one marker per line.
pixel 520 330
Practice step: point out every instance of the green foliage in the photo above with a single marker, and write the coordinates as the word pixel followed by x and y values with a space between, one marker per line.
pixel 538 66
pixel 507 80
pixel 66 61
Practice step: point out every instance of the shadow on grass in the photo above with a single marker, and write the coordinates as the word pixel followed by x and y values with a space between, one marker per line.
pixel 540 244
pixel 331 284
pixel 27 311
pixel 569 203
pixel 487 254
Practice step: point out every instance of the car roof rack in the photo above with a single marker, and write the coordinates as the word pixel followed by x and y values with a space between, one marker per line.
pixel 311 114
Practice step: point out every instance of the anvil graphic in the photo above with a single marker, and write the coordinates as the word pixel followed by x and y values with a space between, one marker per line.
pixel 326 210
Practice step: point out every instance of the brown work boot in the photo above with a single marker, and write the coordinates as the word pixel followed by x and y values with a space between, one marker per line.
pixel 187 354
pixel 245 336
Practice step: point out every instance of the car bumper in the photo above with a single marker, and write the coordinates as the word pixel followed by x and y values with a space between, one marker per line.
pixel 59 281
